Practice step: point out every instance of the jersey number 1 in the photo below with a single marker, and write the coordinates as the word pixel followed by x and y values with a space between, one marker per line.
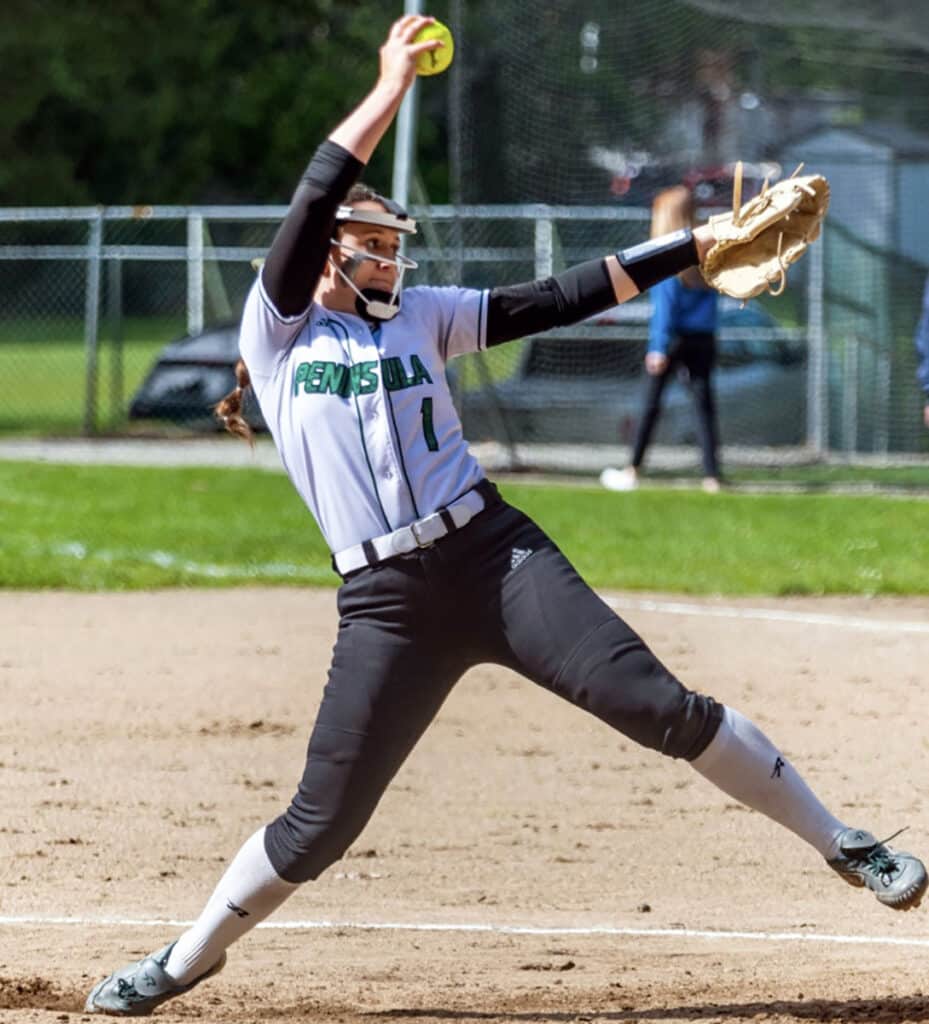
pixel 428 429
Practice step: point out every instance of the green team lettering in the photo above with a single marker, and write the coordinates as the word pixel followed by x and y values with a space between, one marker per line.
pixel 420 373
pixel 364 378
pixel 327 378
pixel 393 374
pixel 334 379
pixel 425 410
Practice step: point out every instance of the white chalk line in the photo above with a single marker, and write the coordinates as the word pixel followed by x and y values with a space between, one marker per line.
pixel 482 928
pixel 285 570
pixel 767 615
pixel 169 561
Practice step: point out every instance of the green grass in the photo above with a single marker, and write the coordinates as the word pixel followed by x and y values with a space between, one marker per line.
pixel 102 528
pixel 69 330
pixel 45 370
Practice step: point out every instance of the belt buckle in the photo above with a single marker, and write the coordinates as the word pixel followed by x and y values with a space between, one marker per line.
pixel 423 525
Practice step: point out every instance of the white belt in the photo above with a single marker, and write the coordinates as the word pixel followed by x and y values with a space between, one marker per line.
pixel 420 534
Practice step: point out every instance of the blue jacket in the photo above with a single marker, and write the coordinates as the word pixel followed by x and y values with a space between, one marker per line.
pixel 677 308
pixel 922 344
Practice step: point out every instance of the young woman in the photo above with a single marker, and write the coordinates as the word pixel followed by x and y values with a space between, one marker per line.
pixel 681 337
pixel 439 573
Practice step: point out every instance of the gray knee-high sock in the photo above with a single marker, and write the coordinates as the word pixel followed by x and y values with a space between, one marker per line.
pixel 247 893
pixel 743 762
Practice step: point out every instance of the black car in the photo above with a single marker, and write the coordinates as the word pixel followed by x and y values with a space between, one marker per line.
pixel 190 376
pixel 584 384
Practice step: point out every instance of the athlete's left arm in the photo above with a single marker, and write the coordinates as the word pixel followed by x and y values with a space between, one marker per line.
pixel 519 310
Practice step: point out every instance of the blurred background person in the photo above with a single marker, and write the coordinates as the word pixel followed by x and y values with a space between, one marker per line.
pixel 682 338
pixel 922 352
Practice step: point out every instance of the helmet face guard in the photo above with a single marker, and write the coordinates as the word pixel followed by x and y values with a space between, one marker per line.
pixel 372 302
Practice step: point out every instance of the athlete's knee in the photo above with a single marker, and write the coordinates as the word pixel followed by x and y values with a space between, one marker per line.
pixel 301 843
pixel 692 727
pixel 616 677
pixel 333 803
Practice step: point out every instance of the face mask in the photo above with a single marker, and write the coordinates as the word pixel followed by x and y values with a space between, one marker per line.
pixel 372 302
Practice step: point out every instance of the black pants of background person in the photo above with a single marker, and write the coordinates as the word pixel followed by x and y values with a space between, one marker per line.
pixel 497 590
pixel 695 353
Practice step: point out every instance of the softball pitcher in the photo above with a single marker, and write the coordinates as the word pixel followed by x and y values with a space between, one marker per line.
pixel 439 572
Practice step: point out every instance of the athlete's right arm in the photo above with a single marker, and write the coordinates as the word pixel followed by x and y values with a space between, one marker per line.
pixel 299 250
pixel 300 247
pixel 364 128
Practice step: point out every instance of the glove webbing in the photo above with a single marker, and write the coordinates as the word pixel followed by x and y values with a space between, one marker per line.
pixel 737 220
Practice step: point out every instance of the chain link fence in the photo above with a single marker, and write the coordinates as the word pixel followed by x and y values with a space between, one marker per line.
pixel 89 298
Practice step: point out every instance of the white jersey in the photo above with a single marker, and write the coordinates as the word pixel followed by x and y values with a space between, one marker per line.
pixel 361 413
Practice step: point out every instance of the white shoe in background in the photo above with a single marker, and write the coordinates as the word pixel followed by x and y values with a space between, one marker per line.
pixel 619 479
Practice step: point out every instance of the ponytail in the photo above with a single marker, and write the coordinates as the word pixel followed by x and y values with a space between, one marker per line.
pixel 229 409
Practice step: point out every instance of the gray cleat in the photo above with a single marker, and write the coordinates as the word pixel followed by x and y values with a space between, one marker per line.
pixel 897 879
pixel 136 989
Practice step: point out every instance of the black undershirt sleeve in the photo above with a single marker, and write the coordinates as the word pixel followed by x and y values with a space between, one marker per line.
pixel 298 253
pixel 516 311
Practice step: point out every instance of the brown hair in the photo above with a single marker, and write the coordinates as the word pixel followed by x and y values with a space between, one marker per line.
pixel 229 409
pixel 361 193
pixel 672 210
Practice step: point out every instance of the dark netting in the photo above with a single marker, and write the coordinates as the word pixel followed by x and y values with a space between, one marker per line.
pixel 595 104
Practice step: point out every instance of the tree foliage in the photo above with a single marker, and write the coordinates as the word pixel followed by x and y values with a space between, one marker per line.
pixel 179 101
pixel 197 101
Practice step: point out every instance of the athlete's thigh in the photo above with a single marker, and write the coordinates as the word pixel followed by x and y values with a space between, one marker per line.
pixel 537 607
pixel 563 636
pixel 387 680
pixel 547 610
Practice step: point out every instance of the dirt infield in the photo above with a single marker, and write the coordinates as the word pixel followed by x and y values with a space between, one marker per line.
pixel 566 873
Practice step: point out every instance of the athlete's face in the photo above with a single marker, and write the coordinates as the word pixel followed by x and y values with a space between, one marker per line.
pixel 380 242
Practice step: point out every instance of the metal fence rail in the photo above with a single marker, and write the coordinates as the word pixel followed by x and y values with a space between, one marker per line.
pixel 88 296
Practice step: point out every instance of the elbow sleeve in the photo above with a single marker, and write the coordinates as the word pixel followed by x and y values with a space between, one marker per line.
pixel 519 310
pixel 298 253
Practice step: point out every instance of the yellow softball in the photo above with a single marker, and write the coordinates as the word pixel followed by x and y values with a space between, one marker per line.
pixel 433 62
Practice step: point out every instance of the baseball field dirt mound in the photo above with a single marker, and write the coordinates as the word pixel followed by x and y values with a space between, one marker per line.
pixel 527 864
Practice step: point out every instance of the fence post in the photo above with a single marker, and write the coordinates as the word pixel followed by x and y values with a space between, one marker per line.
pixel 92 319
pixel 817 394
pixel 850 391
pixel 883 349
pixel 544 247
pixel 114 305
pixel 194 273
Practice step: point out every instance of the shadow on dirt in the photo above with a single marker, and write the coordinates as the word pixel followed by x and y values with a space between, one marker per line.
pixel 859 1011
pixel 38 994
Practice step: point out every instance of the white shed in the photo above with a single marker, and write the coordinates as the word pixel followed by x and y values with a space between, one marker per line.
pixel 879 179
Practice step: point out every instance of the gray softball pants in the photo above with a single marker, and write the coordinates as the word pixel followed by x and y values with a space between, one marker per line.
pixel 411 626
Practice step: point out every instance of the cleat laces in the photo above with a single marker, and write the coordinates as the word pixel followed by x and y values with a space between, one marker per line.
pixel 127 990
pixel 880 860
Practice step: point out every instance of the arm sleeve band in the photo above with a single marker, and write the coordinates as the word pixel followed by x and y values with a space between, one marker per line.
pixel 300 247
pixel 658 258
pixel 522 309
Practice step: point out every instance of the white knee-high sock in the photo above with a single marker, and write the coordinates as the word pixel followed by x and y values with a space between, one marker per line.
pixel 743 762
pixel 247 893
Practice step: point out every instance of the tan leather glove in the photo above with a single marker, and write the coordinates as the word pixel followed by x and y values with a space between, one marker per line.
pixel 756 243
